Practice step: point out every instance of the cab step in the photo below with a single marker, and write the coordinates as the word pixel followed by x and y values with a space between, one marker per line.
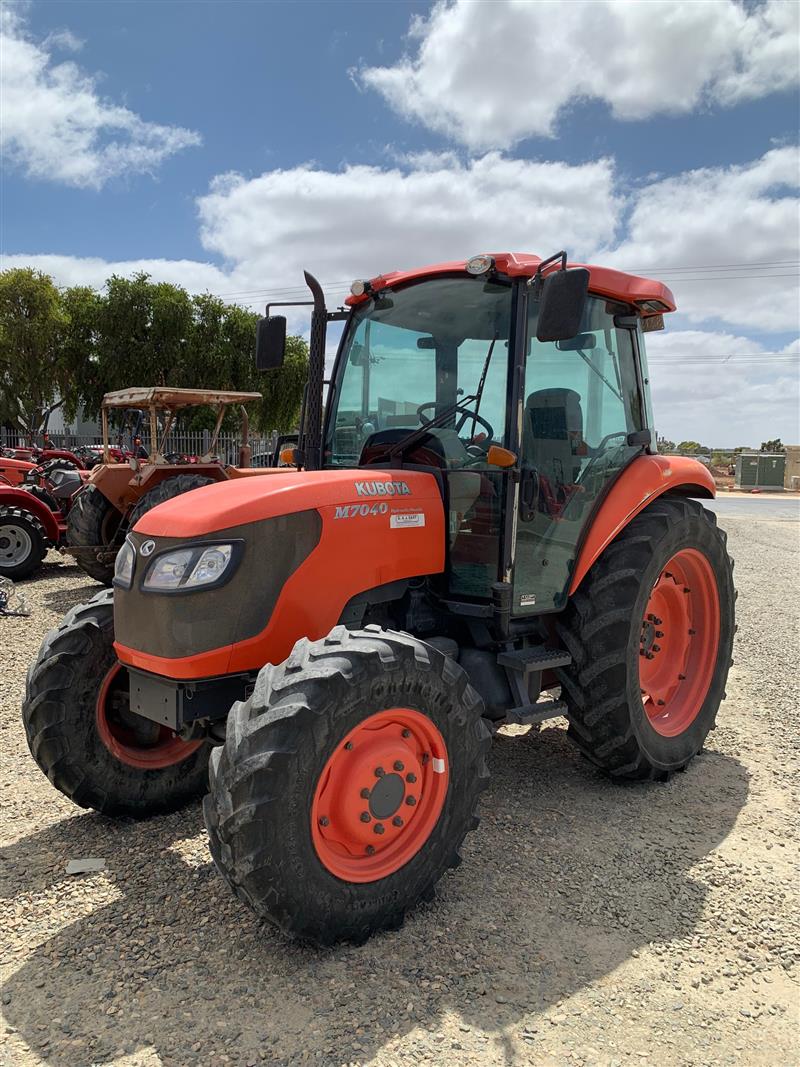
pixel 534 658
pixel 530 714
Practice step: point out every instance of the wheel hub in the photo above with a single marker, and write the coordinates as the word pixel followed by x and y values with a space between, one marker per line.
pixel 15 544
pixel 380 795
pixel 386 796
pixel 678 642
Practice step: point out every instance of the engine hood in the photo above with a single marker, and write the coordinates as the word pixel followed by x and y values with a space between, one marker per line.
pixel 310 541
pixel 240 501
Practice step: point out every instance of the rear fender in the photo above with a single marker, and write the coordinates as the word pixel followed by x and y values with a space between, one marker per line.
pixel 11 497
pixel 644 480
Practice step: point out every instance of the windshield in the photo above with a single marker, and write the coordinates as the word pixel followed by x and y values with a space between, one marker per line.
pixel 437 350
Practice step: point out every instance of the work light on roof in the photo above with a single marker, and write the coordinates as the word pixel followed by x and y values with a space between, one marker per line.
pixel 479 264
pixel 359 287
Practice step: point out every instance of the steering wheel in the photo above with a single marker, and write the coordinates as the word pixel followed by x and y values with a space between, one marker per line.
pixel 600 454
pixel 465 414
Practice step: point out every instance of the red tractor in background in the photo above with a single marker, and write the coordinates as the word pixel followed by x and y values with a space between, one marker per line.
pixel 33 513
pixel 480 531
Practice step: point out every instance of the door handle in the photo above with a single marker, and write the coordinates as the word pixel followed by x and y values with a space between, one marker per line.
pixel 528 494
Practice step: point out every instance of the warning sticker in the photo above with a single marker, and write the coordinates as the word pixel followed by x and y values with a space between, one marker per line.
pixel 400 520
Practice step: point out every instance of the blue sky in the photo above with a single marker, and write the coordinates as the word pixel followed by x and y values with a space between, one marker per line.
pixel 227 145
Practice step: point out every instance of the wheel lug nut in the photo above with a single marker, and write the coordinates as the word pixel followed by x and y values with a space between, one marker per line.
pixel 686 589
pixel 379 772
pixel 659 633
pixel 398 765
pixel 656 648
pixel 324 821
pixel 397 821
pixel 411 778
pixel 378 828
pixel 365 794
pixel 365 816
pixel 650 655
pixel 681 677
pixel 370 850
pixel 656 620
pixel 660 703
pixel 411 801
pixel 349 745
pixel 406 733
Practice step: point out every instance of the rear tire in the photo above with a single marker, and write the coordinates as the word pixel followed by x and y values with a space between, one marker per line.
pixel 23 543
pixel 93 527
pixel 166 490
pixel 81 735
pixel 611 688
pixel 281 756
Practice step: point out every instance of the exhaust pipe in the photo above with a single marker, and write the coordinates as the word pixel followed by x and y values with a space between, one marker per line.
pixel 311 428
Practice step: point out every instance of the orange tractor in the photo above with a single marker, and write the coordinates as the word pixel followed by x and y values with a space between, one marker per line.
pixel 479 532
pixel 119 492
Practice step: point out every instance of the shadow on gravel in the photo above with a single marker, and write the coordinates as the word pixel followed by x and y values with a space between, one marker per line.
pixel 61 600
pixel 566 877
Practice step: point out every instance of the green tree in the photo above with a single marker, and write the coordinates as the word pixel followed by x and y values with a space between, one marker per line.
pixel 689 446
pixel 776 445
pixel 82 307
pixel 35 375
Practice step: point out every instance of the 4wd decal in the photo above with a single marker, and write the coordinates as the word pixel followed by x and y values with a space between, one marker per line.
pixel 352 511
pixel 382 489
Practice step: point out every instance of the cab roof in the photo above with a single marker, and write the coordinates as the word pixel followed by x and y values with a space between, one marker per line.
pixel 651 297
pixel 173 399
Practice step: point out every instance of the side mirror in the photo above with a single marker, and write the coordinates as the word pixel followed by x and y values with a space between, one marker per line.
pixel 561 304
pixel 270 342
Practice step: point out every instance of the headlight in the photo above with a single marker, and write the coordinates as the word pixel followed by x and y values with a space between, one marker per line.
pixel 189 568
pixel 123 565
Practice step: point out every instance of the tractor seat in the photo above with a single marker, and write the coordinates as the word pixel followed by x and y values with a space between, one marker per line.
pixel 552 433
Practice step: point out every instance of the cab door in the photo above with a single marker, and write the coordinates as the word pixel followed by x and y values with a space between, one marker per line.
pixel 582 412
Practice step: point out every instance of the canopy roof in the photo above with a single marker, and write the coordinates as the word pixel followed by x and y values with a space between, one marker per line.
pixel 603 281
pixel 172 399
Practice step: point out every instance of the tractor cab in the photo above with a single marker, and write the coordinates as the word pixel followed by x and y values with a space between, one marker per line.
pixel 521 383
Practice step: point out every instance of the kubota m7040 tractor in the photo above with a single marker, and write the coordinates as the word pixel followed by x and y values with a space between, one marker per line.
pixel 480 532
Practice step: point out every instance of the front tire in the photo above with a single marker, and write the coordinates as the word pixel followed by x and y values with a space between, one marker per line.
pixel 650 631
pixel 23 543
pixel 82 734
pixel 347 783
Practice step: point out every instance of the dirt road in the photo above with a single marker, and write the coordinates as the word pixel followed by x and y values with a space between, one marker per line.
pixel 589 924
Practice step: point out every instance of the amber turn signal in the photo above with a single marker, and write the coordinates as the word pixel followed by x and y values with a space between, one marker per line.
pixel 288 456
pixel 500 457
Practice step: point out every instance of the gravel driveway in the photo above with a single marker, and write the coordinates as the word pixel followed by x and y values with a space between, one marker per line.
pixel 590 923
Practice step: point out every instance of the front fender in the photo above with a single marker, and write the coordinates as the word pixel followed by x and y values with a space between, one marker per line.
pixel 11 497
pixel 642 481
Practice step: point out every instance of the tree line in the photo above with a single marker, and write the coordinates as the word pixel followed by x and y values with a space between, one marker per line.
pixel 66 347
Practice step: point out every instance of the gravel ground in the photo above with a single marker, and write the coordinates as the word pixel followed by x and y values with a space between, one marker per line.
pixel 589 924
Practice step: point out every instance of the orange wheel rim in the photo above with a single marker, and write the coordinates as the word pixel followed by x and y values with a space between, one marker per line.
pixel 380 795
pixel 679 642
pixel 163 748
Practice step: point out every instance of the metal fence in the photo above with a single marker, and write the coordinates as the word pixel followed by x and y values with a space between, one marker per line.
pixel 183 444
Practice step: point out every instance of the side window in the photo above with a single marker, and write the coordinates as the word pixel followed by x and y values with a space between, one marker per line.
pixel 581 402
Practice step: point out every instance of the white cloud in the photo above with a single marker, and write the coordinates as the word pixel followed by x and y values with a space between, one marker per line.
pixel 716 216
pixel 366 220
pixel 723 389
pixel 94 271
pixel 55 125
pixel 490 74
